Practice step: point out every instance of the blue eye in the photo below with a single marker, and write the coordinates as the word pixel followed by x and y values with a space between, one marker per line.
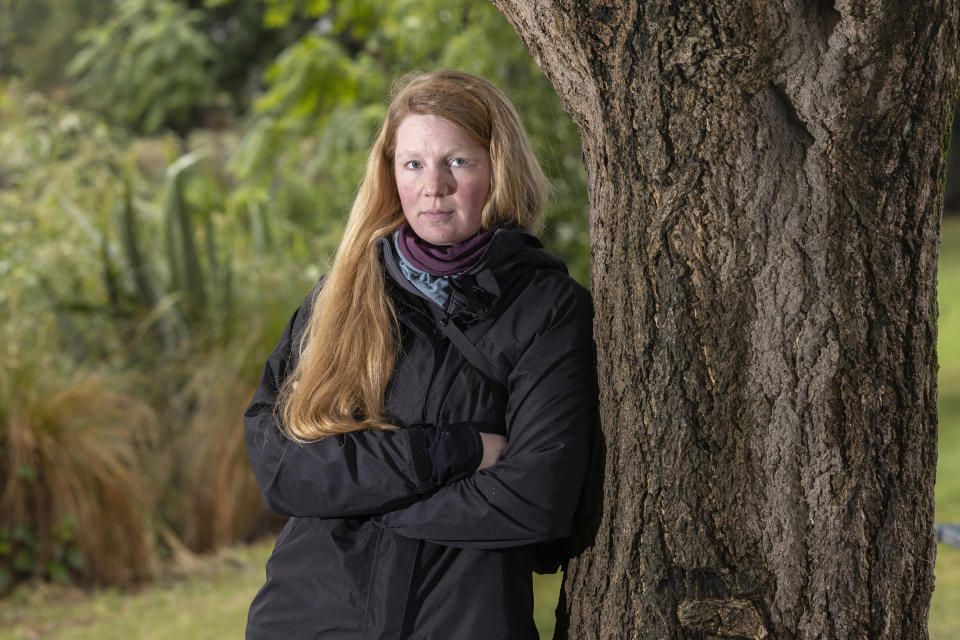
pixel 413 164
pixel 459 162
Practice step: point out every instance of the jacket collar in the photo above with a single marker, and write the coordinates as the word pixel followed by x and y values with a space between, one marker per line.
pixel 474 293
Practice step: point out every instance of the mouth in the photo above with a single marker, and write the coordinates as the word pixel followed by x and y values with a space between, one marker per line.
pixel 436 214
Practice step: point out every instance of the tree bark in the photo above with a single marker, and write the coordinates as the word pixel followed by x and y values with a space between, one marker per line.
pixel 766 183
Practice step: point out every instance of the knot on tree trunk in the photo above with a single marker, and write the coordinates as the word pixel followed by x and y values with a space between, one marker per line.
pixel 722 618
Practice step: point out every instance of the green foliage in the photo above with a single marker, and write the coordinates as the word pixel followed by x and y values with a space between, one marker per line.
pixel 39 38
pixel 56 169
pixel 327 93
pixel 36 37
pixel 73 503
pixel 146 278
pixel 147 66
pixel 281 12
pixel 186 276
pixel 245 44
pixel 82 512
pixel 21 552
pixel 223 505
pixel 126 258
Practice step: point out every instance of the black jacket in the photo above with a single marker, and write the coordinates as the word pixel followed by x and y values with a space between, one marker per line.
pixel 375 547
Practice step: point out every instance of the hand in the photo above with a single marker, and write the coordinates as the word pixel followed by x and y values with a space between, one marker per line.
pixel 493 446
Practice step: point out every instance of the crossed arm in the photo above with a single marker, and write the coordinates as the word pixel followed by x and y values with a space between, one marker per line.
pixel 527 496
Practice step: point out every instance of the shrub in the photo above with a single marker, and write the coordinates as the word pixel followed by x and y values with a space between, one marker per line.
pixel 221 502
pixel 147 66
pixel 75 503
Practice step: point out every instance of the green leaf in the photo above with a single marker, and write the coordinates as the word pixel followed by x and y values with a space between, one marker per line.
pixel 23 534
pixel 22 562
pixel 29 474
pixel 74 559
pixel 58 572
pixel 65 529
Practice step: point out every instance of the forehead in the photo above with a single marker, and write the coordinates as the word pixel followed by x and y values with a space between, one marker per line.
pixel 419 132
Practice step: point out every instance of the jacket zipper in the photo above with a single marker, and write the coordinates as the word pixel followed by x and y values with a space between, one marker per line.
pixel 406 622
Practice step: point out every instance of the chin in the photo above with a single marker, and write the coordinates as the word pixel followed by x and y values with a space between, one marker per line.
pixel 442 236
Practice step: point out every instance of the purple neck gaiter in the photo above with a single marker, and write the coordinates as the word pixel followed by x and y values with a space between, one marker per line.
pixel 442 260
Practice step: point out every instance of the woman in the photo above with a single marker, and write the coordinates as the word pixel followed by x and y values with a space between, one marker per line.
pixel 426 415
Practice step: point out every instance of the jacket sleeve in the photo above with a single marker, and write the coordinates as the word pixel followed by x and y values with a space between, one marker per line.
pixel 354 474
pixel 531 493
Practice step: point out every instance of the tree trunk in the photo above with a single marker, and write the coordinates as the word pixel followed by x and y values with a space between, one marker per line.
pixel 951 196
pixel 766 183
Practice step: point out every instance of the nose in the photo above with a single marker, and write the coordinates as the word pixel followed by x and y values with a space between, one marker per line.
pixel 439 182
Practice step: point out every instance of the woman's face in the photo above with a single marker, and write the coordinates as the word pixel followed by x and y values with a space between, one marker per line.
pixel 443 178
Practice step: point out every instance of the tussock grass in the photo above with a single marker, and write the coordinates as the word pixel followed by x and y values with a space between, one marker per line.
pixel 74 493
pixel 222 502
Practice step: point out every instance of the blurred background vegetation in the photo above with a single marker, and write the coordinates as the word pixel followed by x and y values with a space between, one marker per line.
pixel 174 176
pixel 173 179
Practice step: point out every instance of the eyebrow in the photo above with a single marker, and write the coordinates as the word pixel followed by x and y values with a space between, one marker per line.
pixel 462 151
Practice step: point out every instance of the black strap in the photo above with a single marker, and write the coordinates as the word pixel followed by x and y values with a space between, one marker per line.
pixel 467 349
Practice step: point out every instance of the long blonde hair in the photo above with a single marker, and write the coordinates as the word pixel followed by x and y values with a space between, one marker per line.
pixel 348 351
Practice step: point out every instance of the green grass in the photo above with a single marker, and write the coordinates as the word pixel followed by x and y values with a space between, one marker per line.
pixel 948 349
pixel 212 603
pixel 945 608
pixel 546 592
